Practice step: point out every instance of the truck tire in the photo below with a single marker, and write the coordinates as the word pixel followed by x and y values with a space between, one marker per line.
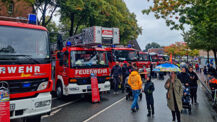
pixel 33 119
pixel 59 90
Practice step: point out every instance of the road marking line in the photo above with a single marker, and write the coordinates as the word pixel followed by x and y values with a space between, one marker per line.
pixel 65 104
pixel 53 110
pixel 54 98
pixel 95 115
pixel 52 113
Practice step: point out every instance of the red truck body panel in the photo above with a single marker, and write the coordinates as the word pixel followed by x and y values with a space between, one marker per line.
pixel 22 72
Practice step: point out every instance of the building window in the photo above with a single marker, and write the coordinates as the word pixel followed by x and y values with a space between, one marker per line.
pixel 11 7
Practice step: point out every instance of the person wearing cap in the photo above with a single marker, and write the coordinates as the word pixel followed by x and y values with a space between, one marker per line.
pixel 148 90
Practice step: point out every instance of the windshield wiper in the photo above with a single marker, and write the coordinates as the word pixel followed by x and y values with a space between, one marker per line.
pixel 27 57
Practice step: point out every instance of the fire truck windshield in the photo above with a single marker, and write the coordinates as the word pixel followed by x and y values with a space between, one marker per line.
pixel 143 57
pixel 23 44
pixel 154 58
pixel 125 55
pixel 88 59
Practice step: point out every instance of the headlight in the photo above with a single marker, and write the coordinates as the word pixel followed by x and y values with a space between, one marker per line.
pixel 107 86
pixel 74 89
pixel 42 86
pixel 141 70
pixel 42 103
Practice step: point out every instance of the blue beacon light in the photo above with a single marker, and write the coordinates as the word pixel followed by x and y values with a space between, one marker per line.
pixel 129 46
pixel 32 19
pixel 100 46
pixel 68 43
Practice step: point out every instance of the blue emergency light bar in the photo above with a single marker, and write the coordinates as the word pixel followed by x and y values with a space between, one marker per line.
pixel 113 46
pixel 100 46
pixel 25 85
pixel 129 46
pixel 32 19
pixel 68 43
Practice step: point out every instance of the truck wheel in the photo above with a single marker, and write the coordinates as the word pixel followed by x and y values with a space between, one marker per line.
pixel 59 90
pixel 33 119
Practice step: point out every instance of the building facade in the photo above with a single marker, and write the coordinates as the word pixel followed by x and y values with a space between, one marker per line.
pixel 156 50
pixel 15 8
pixel 135 44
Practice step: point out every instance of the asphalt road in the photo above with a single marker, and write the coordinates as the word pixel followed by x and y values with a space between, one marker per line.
pixel 114 108
pixel 121 111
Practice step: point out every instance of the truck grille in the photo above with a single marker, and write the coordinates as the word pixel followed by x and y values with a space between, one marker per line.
pixel 85 81
pixel 22 86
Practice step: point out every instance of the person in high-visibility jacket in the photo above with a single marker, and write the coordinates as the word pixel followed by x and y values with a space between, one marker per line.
pixel 135 83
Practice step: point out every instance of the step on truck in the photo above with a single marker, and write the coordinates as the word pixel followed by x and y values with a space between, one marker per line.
pixel 25 66
pixel 79 57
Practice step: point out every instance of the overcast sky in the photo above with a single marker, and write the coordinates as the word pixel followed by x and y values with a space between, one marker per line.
pixel 153 30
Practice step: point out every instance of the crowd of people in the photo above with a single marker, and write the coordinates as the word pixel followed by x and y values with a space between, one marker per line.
pixel 179 84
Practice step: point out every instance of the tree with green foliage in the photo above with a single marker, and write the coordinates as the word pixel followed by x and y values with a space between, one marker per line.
pixel 152 45
pixel 106 13
pixel 199 14
pixel 44 7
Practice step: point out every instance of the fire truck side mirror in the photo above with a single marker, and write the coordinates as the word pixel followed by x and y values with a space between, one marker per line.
pixel 59 42
pixel 60 57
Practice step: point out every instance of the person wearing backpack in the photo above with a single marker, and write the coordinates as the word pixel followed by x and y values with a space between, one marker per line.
pixel 148 90
pixel 125 74
pixel 135 83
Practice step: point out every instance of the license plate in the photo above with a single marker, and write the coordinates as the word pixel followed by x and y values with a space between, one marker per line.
pixel 88 87
pixel 12 107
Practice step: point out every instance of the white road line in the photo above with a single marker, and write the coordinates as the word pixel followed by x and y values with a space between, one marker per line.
pixel 65 104
pixel 54 98
pixel 58 108
pixel 52 113
pixel 95 115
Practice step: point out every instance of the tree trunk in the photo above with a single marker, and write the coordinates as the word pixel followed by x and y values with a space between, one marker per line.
pixel 72 16
pixel 78 24
pixel 44 13
pixel 214 52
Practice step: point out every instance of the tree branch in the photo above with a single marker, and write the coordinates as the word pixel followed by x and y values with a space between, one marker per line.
pixel 51 15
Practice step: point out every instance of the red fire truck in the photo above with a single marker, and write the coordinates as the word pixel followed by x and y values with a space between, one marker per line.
pixel 80 58
pixel 121 54
pixel 143 60
pixel 25 66
pixel 163 58
pixel 154 59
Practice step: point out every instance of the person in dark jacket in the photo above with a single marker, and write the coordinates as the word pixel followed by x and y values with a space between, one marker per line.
pixel 149 89
pixel 125 74
pixel 135 68
pixel 193 85
pixel 130 67
pixel 184 77
pixel 205 70
pixel 116 75
pixel 211 70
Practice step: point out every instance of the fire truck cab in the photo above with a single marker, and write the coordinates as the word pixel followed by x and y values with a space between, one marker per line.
pixel 73 72
pixel 154 59
pixel 122 55
pixel 143 60
pixel 82 57
pixel 26 69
